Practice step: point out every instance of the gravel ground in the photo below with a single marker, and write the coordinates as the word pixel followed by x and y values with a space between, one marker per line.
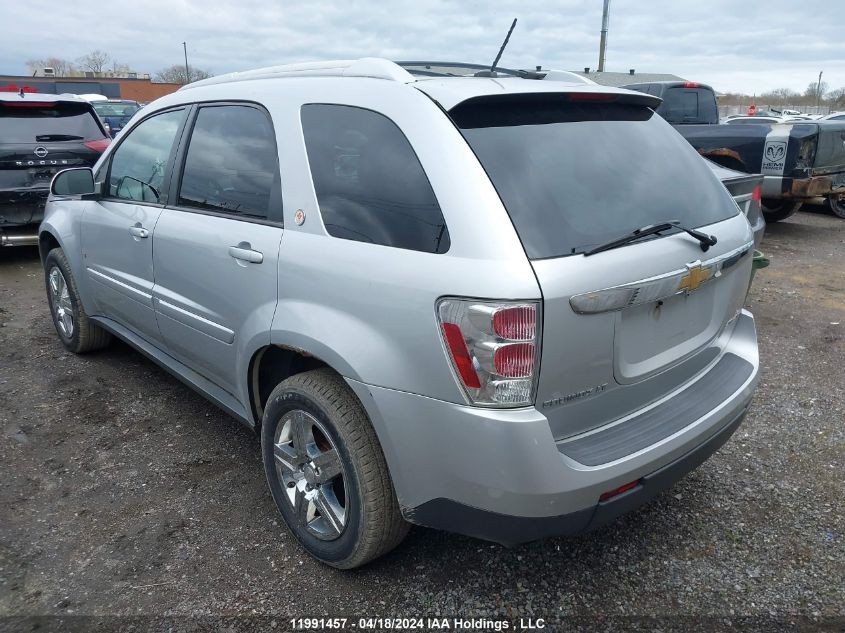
pixel 126 494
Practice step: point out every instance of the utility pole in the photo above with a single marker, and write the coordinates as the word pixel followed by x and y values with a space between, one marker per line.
pixel 603 41
pixel 187 70
pixel 819 90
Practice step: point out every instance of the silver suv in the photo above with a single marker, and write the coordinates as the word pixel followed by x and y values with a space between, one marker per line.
pixel 503 306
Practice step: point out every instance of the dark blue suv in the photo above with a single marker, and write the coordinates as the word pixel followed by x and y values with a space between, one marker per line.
pixel 115 113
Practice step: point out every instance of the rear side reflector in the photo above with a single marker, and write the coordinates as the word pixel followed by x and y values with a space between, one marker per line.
pixel 99 145
pixel 460 355
pixel 620 490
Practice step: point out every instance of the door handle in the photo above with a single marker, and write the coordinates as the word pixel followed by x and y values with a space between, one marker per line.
pixel 244 253
pixel 139 231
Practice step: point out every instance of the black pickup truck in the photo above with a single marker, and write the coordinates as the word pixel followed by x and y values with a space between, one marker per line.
pixel 799 159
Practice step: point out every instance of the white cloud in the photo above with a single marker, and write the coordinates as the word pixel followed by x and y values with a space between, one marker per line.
pixel 735 46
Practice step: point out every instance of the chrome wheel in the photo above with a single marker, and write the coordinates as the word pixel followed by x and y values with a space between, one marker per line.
pixel 60 298
pixel 311 474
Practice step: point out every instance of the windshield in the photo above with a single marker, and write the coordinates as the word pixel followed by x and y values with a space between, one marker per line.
pixel 576 175
pixel 65 121
pixel 116 109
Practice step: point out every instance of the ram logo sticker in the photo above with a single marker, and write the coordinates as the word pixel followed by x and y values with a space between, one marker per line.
pixel 774 156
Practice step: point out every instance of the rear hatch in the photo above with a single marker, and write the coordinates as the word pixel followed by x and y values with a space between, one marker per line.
pixel 624 327
pixel 37 140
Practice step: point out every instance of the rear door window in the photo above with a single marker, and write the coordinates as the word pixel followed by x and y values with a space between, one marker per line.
pixel 689 105
pixel 231 164
pixel 45 122
pixel 369 183
pixel 575 175
pixel 139 164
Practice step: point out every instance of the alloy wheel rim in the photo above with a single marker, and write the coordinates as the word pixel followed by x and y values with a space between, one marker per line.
pixel 62 305
pixel 311 474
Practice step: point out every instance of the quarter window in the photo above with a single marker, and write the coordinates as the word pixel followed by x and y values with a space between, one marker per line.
pixel 369 183
pixel 139 164
pixel 231 163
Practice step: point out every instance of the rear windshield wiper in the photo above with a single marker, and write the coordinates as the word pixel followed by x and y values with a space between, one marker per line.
pixel 46 138
pixel 706 241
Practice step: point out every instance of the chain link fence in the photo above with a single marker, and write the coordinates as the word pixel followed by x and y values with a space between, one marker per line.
pixel 728 110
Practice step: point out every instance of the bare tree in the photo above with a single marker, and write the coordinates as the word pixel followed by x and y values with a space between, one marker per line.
pixel 836 98
pixel 95 61
pixel 780 96
pixel 815 91
pixel 62 67
pixel 176 74
pixel 119 68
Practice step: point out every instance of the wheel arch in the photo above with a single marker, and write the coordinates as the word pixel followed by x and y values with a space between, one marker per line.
pixel 270 365
pixel 725 157
pixel 47 241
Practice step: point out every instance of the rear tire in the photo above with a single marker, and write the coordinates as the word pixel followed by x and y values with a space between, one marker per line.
pixel 837 205
pixel 775 210
pixel 327 473
pixel 76 331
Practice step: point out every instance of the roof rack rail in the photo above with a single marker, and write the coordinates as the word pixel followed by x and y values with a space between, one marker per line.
pixel 462 69
pixel 373 67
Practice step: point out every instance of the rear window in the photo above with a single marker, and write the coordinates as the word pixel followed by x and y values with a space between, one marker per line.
pixel 116 109
pixel 689 105
pixel 576 175
pixel 47 123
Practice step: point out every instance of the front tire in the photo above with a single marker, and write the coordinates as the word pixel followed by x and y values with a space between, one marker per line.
pixel 327 472
pixel 837 205
pixel 76 331
pixel 775 210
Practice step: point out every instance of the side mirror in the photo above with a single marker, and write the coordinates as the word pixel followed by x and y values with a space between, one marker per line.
pixel 78 181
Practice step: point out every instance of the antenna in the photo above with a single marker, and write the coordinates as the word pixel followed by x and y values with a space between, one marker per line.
pixel 492 71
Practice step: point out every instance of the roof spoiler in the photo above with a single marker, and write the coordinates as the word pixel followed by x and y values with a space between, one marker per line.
pixel 585 94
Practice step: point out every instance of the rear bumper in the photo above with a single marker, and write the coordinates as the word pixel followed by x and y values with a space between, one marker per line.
pixel 803 188
pixel 500 475
pixel 20 207
pixel 512 530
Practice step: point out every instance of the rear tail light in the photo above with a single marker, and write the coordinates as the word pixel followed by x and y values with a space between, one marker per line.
pixel 591 96
pixel 493 348
pixel 29 104
pixel 757 194
pixel 99 145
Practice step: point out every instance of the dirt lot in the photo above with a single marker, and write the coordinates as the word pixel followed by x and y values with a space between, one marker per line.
pixel 126 494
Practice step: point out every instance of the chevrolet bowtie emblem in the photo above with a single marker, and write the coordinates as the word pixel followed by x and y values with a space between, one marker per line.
pixel 695 277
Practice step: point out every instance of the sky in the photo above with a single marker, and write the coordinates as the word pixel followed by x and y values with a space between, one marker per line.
pixel 734 45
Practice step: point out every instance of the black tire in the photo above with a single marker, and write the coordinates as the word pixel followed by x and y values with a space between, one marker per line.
pixel 837 205
pixel 373 522
pixel 84 336
pixel 775 210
